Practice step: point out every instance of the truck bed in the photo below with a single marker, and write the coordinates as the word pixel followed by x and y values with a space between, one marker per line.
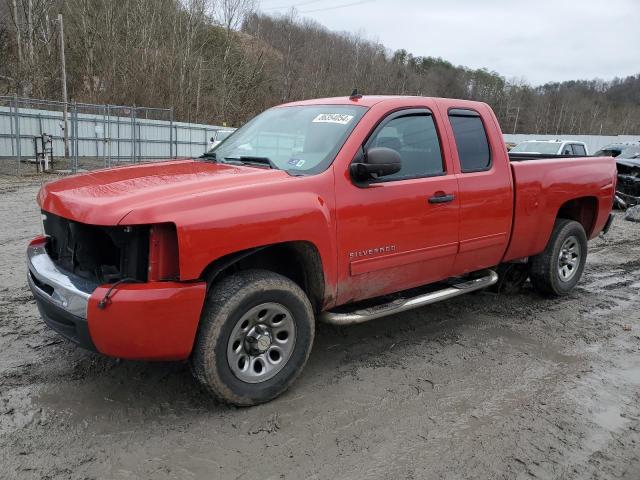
pixel 553 184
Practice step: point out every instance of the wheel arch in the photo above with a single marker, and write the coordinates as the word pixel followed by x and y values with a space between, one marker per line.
pixel 299 261
pixel 583 210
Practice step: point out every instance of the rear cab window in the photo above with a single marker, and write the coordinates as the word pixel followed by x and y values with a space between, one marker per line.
pixel 471 139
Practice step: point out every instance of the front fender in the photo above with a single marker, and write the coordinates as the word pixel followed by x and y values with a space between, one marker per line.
pixel 213 226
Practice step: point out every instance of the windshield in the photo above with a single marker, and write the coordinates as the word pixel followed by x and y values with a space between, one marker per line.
pixel 630 152
pixel 546 148
pixel 302 139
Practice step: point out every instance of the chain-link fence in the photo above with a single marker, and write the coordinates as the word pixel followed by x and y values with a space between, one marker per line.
pixel 32 136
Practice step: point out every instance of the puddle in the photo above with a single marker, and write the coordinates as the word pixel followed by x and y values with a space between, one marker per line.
pixel 521 343
pixel 83 401
pixel 607 418
pixel 113 404
pixel 610 418
pixel 605 396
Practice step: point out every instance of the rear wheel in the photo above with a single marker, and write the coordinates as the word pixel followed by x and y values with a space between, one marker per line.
pixel 557 270
pixel 254 338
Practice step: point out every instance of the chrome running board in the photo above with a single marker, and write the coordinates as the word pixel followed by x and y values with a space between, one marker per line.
pixel 402 304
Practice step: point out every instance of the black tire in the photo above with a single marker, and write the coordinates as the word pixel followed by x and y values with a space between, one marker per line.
pixel 545 273
pixel 227 301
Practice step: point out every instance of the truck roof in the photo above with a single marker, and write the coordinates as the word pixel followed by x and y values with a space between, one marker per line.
pixel 366 100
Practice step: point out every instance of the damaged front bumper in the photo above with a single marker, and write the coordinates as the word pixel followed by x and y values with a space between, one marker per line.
pixel 62 298
pixel 144 321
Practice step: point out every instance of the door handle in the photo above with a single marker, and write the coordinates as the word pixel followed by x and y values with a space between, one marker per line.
pixel 442 198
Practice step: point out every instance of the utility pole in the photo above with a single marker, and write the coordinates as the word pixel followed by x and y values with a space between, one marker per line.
pixel 515 123
pixel 63 65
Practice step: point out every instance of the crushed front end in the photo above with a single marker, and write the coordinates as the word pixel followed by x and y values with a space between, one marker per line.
pixel 61 296
pixel 114 289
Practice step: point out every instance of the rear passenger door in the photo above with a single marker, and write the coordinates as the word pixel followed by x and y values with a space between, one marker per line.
pixel 485 188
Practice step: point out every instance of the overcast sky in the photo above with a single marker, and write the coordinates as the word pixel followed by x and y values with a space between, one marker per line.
pixel 541 41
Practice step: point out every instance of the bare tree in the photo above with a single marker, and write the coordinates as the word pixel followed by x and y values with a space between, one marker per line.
pixel 222 61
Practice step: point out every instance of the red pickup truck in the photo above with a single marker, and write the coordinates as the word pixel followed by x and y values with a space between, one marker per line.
pixel 340 209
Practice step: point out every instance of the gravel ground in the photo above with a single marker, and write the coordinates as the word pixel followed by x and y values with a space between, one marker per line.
pixel 484 386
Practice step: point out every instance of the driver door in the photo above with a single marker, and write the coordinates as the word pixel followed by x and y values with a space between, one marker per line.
pixel 399 231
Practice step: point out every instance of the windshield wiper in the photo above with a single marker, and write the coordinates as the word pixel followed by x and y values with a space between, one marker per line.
pixel 249 160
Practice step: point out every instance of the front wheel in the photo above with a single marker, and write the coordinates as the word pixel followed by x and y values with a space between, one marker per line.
pixel 557 270
pixel 254 338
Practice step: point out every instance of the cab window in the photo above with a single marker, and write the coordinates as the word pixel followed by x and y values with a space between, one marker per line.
pixel 471 140
pixel 415 138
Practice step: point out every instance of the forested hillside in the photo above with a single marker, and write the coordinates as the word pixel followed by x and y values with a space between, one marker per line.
pixel 222 60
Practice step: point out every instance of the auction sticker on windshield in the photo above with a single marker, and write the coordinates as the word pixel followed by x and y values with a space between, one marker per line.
pixel 339 118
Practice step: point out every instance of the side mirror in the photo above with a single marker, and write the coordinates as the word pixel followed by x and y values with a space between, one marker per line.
pixel 378 162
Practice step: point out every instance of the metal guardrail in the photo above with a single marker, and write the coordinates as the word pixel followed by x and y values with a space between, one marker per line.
pixel 98 135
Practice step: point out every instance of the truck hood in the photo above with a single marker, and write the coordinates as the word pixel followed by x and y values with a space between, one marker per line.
pixel 105 197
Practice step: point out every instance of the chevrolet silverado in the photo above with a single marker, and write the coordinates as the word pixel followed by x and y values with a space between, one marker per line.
pixel 341 210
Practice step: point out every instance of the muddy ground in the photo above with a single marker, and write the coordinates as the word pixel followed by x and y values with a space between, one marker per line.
pixel 484 386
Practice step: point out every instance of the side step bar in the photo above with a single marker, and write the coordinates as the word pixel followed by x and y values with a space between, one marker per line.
pixel 402 304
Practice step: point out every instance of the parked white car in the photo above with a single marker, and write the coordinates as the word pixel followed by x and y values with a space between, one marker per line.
pixel 218 136
pixel 552 147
